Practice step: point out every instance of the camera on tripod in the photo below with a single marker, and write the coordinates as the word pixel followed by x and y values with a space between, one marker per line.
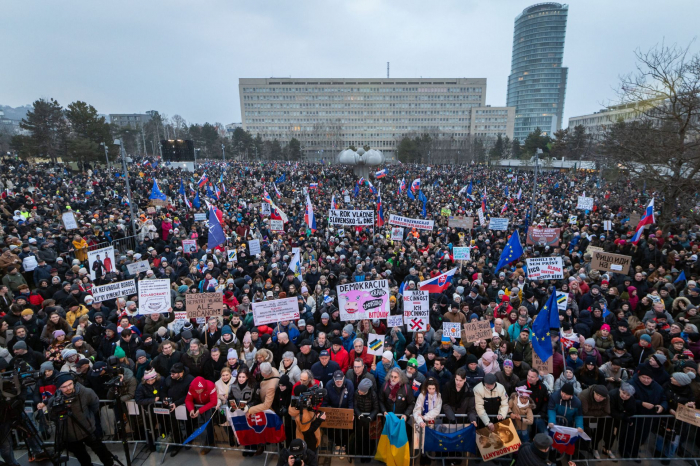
pixel 15 383
pixel 310 399
pixel 116 370
pixel 62 406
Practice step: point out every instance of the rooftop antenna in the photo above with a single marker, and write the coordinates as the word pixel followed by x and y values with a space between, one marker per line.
pixel 387 70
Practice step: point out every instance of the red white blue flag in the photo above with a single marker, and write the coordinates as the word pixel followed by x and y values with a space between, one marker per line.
pixel 258 428
pixel 564 438
pixel 438 284
pixel 647 219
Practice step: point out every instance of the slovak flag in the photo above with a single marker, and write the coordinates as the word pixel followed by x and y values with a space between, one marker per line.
pixel 187 202
pixel 218 191
pixel 483 203
pixel 564 438
pixel 438 284
pixel 647 219
pixel 309 218
pixel 334 205
pixel 380 174
pixel 203 180
pixel 415 186
pixel 520 193
pixel 371 187
pixel 402 186
pixel 505 207
pixel 380 210
pixel 361 181
pixel 221 181
pixel 266 197
pixel 277 191
pixel 313 186
pixel 258 428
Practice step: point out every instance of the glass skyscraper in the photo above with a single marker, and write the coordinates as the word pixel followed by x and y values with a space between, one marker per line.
pixel 537 81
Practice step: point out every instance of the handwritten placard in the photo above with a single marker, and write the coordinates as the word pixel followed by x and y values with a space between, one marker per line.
pixel 204 305
pixel 451 329
pixel 479 330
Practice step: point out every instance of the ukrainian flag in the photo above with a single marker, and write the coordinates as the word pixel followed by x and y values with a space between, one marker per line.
pixel 393 448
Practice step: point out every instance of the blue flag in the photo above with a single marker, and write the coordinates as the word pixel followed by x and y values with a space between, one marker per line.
pixel 547 318
pixel 410 195
pixel 210 193
pixel 197 432
pixel 195 201
pixel 681 277
pixel 216 233
pixel 281 178
pixel 356 191
pixel 469 188
pixel 461 440
pixel 511 252
pixel 181 191
pixel 506 191
pixel 424 200
pixel 155 192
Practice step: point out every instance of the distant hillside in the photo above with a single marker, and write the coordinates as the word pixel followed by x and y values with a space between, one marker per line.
pixel 15 113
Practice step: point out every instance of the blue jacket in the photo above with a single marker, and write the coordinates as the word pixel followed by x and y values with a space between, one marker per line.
pixel 333 395
pixel 290 330
pixel 380 372
pixel 347 342
pixel 442 377
pixel 652 393
pixel 571 410
pixel 324 374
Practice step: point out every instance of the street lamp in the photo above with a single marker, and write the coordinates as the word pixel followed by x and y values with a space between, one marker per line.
pixel 106 153
pixel 534 188
pixel 128 186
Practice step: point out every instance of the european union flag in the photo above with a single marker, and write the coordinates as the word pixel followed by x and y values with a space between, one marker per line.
pixel 195 201
pixel 282 178
pixel 469 188
pixel 462 440
pixel 424 200
pixel 681 277
pixel 547 318
pixel 182 188
pixel 511 252
pixel 216 233
pixel 155 192
pixel 410 195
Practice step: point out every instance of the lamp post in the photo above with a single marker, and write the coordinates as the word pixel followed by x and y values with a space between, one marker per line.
pixel 106 153
pixel 128 186
pixel 534 188
pixel 223 152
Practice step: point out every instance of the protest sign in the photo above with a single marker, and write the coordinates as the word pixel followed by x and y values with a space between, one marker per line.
pixel 416 310
pixel 351 217
pixel 338 418
pixel 445 212
pixel 265 209
pixel 502 441
pixel 689 415
pixel 69 222
pixel 204 305
pixel 364 300
pixel 479 330
pixel 394 321
pixel 397 233
pixel 189 246
pixel 341 233
pixel 137 267
pixel 231 255
pixel 498 223
pixel 591 249
pixel 452 329
pixel 346 199
pixel 562 300
pixel 462 253
pixel 254 247
pixel 154 296
pixel 29 263
pixel 100 262
pixel 482 217
pixel 585 203
pixel 610 262
pixel 573 219
pixel 113 290
pixel 634 219
pixel 545 367
pixel 607 225
pixel 543 236
pixel 406 222
pixel 461 222
pixel 545 268
pixel 276 310
pixel 375 344
pixel 276 225
pixel 150 210
pixel 200 217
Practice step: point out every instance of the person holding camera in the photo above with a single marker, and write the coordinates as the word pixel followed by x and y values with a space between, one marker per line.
pixel 304 410
pixel 83 407
pixel 298 454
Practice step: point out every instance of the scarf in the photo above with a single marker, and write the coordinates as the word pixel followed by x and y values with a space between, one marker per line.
pixel 523 405
pixel 394 391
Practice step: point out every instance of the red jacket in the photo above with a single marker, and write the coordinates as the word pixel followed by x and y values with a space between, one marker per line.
pixel 341 357
pixel 367 358
pixel 201 392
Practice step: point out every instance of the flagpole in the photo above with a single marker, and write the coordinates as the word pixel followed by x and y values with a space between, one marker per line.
pixel 128 186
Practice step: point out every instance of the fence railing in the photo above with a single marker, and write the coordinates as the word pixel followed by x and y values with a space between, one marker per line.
pixel 661 437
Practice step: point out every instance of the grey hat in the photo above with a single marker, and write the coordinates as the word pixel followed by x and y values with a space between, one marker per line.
pixel 542 441
pixel 140 353
pixel 490 379
pixel 20 345
pixel 461 350
pixel 325 316
pixel 348 329
pixel 683 378
pixel 628 388
pixel 46 366
pixel 364 386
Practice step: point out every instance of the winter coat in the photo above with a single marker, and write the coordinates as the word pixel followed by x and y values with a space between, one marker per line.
pixel 529 455
pixel 162 363
pixel 652 393
pixel 490 402
pixel 526 416
pixel 340 397
pixel 509 383
pixel 293 372
pixel 201 392
pixel 562 380
pixel 380 372
pixel 591 407
pixel 569 409
pixel 367 403
pixel 434 408
pixel 403 405
pixel 84 408
pixel 268 386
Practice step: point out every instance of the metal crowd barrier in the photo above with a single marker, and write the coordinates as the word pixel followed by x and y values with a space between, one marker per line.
pixel 122 245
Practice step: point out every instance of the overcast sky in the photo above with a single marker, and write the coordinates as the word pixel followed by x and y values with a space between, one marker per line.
pixel 185 57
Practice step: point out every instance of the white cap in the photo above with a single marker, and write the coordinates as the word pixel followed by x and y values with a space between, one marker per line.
pixel 388 355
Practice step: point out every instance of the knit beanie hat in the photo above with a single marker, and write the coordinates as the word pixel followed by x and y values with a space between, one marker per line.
pixel 683 378
pixel 119 352
pixel 365 385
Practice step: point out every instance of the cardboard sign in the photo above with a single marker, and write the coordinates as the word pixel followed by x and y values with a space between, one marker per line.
pixel 286 200
pixel 275 310
pixel 375 344
pixel 136 268
pixel 609 262
pixel 113 290
pixel 406 222
pixel 545 268
pixel 498 223
pixel 544 367
pixel 634 219
pixel 689 415
pixel 276 225
pixel 157 202
pixel 204 305
pixel 189 246
pixel 584 203
pixel 479 330
pixel 200 217
pixel 338 418
pixel 394 321
pixel 543 236
pixel 461 222
pixel 591 249
pixel 502 441
pixel 346 199
pixel 101 261
pixel 462 253
pixel 69 222
pixel 254 247
pixel 452 329
pixel 416 310
pixel 154 296
pixel 351 217
pixel 397 233
pixel 364 300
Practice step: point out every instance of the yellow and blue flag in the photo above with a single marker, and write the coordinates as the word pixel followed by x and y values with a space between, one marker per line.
pixel 393 448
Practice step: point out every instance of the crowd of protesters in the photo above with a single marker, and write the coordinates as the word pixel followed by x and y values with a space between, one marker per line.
pixel 627 349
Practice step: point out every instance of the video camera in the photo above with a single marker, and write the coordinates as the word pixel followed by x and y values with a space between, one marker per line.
pixel 61 406
pixel 15 383
pixel 114 369
pixel 310 399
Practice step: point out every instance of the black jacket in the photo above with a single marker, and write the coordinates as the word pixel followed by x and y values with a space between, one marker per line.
pixel 163 363
pixel 404 400
pixel 531 456
pixel 177 389
pixel 305 361
pixel 367 403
